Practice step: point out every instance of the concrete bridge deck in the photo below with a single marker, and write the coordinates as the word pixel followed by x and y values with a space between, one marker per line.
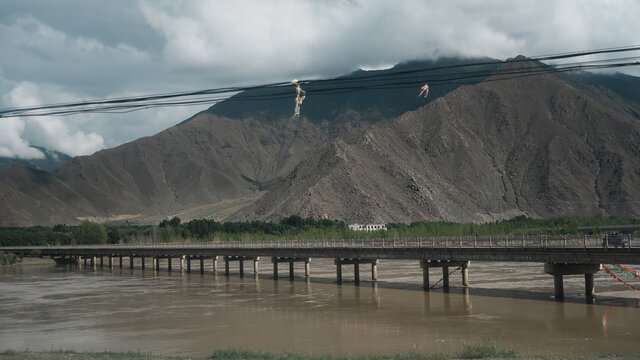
pixel 562 255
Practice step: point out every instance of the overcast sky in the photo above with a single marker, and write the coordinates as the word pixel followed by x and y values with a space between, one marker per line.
pixel 64 50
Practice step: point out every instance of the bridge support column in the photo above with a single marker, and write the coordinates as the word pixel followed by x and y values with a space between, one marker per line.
pixel 93 261
pixel 169 263
pixel 465 273
pixel 445 277
pixel 156 264
pixel 356 272
pixel 374 270
pixel 255 265
pixel 445 265
pixel 274 260
pixel 291 260
pixel 424 264
pixel 110 262
pixel 131 262
pixel 307 268
pixel 188 264
pixel 215 265
pixel 241 266
pixel 558 286
pixel 120 261
pixel 356 267
pixel 589 285
pixel 201 265
pixel 226 265
pixel 142 262
pixel 101 261
pixel 559 270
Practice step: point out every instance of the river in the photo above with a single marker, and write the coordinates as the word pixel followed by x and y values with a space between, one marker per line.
pixel 49 307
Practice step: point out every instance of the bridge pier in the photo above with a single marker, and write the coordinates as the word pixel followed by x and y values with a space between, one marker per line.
pixel 374 270
pixel 188 264
pixel 275 267
pixel 110 262
pixel 291 261
pixel 101 261
pixel 424 264
pixel 169 263
pixel 465 273
pixel 142 262
pixel 131 262
pixel 215 264
pixel 226 265
pixel 156 261
pixel 445 265
pixel 182 258
pixel 201 265
pixel 356 268
pixel 445 277
pixel 120 262
pixel 559 270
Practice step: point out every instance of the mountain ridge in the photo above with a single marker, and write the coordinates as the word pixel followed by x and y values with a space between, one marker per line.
pixel 483 157
pixel 210 164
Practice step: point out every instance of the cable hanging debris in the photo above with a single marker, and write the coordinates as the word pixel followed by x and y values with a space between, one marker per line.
pixel 424 90
pixel 456 74
pixel 300 95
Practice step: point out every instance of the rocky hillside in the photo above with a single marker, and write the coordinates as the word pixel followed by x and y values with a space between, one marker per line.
pixel 208 165
pixel 535 145
pixel 539 146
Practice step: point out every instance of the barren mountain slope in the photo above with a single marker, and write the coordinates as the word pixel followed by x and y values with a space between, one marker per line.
pixel 206 160
pixel 37 194
pixel 532 145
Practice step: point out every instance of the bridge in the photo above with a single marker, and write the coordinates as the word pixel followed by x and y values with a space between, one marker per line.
pixel 561 255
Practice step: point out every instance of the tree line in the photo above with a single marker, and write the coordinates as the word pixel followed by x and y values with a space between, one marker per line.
pixel 292 227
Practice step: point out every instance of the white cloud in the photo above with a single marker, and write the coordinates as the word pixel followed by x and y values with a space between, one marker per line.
pixel 55 133
pixel 12 145
pixel 249 39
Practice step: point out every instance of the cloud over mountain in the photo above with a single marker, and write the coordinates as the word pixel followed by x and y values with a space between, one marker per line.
pixel 110 49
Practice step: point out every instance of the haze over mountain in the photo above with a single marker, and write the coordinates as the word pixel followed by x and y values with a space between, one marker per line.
pixel 209 165
pixel 539 146
pixel 52 159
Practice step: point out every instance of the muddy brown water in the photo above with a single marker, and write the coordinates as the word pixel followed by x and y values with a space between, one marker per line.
pixel 48 307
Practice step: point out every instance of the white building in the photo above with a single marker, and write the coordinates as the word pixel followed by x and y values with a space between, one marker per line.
pixel 367 227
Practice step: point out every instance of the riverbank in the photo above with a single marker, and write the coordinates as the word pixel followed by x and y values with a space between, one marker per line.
pixel 486 352
pixel 14 260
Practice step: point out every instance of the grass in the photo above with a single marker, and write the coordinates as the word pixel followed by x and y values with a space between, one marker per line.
pixel 234 354
pixel 468 351
pixel 483 351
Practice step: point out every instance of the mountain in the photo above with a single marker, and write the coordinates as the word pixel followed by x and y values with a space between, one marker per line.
pixel 622 84
pixel 52 160
pixel 533 145
pixel 217 161
pixel 378 96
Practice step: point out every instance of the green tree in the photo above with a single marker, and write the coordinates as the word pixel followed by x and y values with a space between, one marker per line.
pixel 91 233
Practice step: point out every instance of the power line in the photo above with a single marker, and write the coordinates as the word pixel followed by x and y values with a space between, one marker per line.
pixel 453 74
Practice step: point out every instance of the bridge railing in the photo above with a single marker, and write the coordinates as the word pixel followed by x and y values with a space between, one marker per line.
pixel 540 242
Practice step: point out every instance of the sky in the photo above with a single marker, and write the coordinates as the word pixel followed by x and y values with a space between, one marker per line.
pixel 74 50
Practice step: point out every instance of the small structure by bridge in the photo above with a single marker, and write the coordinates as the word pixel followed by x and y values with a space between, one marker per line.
pixel 562 255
